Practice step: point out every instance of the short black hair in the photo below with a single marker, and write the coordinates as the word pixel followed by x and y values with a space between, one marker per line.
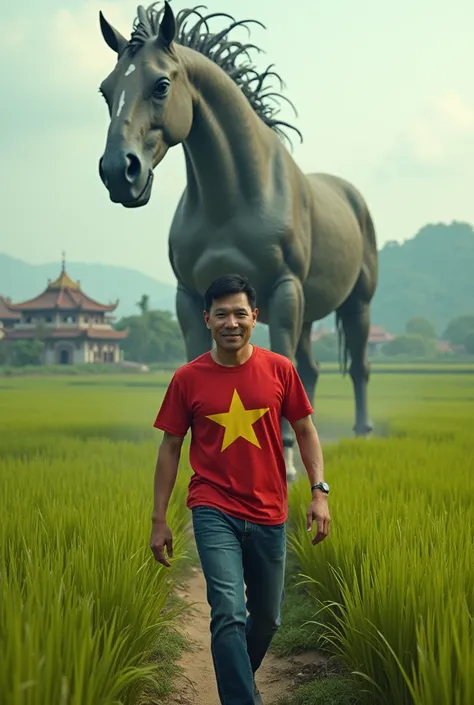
pixel 227 285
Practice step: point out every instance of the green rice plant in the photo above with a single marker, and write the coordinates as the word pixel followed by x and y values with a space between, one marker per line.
pixel 83 603
pixel 393 584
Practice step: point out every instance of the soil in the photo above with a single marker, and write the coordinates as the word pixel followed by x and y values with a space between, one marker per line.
pixel 197 686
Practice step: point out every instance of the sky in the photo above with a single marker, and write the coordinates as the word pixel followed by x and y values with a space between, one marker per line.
pixel 384 93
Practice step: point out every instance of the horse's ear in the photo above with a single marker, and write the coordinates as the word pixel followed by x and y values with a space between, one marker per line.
pixel 167 26
pixel 112 37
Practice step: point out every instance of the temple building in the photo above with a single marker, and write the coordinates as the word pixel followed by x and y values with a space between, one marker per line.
pixel 8 318
pixel 74 328
pixel 378 337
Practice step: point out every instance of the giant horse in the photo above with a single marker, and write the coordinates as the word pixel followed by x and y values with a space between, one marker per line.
pixel 306 242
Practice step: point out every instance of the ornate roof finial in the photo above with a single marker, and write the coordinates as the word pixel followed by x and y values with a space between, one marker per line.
pixel 64 281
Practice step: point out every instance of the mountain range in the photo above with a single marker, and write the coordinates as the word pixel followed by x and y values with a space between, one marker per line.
pixel 105 283
pixel 430 275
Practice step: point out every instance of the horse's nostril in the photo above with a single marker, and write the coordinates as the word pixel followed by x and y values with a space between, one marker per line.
pixel 133 168
pixel 121 171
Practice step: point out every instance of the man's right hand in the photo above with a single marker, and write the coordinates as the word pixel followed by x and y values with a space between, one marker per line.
pixel 161 536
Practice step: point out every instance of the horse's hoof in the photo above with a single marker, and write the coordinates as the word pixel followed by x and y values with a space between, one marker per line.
pixel 363 431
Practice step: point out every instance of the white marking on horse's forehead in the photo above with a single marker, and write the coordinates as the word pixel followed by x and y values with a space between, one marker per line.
pixel 130 69
pixel 121 103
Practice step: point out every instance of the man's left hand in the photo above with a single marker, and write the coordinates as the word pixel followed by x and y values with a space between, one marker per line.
pixel 318 511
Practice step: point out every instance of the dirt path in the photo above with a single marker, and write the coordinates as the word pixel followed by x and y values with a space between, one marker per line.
pixel 197 686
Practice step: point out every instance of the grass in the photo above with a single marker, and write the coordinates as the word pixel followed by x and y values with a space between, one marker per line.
pixel 332 685
pixel 455 364
pixel 296 634
pixel 86 614
pixel 331 691
pixel 393 586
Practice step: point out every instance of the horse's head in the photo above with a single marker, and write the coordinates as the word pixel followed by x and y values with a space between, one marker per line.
pixel 150 105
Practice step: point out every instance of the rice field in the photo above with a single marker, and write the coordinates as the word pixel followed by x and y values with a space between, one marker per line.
pixel 83 605
pixel 82 600
pixel 393 587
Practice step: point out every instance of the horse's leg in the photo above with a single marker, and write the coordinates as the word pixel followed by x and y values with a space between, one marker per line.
pixel 308 368
pixel 197 336
pixel 285 317
pixel 355 318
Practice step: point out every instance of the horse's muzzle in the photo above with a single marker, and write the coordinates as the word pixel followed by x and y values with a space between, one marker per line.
pixel 126 178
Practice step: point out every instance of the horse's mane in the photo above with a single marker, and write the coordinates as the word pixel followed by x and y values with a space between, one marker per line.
pixel 223 52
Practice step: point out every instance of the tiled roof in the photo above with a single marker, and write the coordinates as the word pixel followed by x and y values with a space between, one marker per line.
pixel 90 333
pixel 377 334
pixel 6 314
pixel 63 294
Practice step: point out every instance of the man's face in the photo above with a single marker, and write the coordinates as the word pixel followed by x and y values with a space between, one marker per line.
pixel 231 321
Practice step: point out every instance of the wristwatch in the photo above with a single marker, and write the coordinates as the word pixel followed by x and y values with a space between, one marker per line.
pixel 323 486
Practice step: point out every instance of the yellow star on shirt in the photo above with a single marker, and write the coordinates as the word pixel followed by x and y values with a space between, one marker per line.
pixel 238 422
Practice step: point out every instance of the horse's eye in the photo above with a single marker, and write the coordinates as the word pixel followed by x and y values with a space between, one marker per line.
pixel 161 88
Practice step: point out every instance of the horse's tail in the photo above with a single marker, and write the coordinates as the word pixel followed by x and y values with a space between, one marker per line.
pixel 342 345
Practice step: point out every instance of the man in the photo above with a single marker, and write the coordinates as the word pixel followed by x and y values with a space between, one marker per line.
pixel 233 399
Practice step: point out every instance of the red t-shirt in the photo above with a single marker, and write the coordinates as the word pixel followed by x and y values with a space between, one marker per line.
pixel 236 449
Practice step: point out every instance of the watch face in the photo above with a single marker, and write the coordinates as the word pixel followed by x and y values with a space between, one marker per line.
pixel 325 486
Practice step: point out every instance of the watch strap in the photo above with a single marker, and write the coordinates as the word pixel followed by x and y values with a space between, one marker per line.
pixel 319 486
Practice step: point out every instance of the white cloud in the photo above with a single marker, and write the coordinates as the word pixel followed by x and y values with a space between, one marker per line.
pixel 456 112
pixel 65 49
pixel 77 41
pixel 440 133
pixel 439 139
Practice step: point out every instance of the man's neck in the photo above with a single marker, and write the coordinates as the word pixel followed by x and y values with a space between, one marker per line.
pixel 230 358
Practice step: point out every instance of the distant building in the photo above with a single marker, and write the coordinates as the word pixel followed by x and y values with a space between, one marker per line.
pixel 318 333
pixel 8 318
pixel 444 347
pixel 75 328
pixel 378 336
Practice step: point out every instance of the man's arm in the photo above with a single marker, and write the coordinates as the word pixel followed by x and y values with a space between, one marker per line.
pixel 312 457
pixel 166 472
pixel 165 478
pixel 310 449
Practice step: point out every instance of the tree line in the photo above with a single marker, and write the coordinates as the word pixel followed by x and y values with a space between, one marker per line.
pixel 419 340
pixel 155 337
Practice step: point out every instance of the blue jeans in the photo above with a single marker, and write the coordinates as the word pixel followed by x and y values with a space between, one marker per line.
pixel 233 551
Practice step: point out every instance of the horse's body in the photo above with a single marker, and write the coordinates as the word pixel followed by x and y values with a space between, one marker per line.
pixel 306 242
